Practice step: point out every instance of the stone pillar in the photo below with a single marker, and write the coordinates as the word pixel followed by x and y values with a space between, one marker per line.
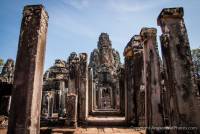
pixel 134 54
pixel 50 103
pixel 90 90
pixel 178 65
pixel 152 78
pixel 71 110
pixel 72 95
pixel 83 88
pixel 62 98
pixel 73 62
pixel 27 92
pixel 128 53
pixel 122 91
pixel 138 80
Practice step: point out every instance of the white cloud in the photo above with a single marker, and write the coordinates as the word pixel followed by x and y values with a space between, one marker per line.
pixel 77 4
pixel 68 23
pixel 134 5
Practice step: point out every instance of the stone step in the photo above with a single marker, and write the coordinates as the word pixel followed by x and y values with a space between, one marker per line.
pixel 93 130
pixel 106 121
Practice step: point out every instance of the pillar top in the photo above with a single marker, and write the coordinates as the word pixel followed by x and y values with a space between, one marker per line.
pixel 132 44
pixel 148 32
pixel 29 8
pixel 176 12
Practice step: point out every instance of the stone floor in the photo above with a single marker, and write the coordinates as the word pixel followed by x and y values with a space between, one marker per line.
pixel 97 130
pixel 89 130
pixel 106 121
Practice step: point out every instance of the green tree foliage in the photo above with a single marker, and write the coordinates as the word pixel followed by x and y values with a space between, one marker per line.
pixel 196 61
pixel 1 62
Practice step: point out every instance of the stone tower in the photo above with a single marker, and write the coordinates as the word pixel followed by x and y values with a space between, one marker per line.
pixel 105 63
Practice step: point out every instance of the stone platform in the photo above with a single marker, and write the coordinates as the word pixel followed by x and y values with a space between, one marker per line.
pixel 105 121
pixel 92 130
pixel 89 130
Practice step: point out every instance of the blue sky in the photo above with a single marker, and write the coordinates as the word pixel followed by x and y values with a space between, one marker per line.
pixel 74 25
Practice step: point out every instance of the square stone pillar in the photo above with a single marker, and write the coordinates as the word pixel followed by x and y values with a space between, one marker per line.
pixel 73 81
pixel 90 90
pixel 138 85
pixel 62 98
pixel 129 91
pixel 71 110
pixel 27 92
pixel 178 69
pixel 133 72
pixel 83 88
pixel 72 94
pixel 152 78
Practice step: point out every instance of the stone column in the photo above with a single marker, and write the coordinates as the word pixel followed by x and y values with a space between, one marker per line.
pixel 122 91
pixel 95 99
pixel 62 98
pixel 73 62
pixel 178 65
pixel 27 92
pixel 128 53
pixel 71 110
pixel 152 78
pixel 90 90
pixel 138 80
pixel 72 95
pixel 83 87
pixel 134 53
pixel 50 103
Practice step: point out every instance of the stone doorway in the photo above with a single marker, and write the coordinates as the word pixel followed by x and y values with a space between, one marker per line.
pixel 106 85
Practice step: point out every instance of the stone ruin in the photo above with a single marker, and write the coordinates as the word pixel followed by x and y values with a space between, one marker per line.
pixel 105 67
pixel 145 91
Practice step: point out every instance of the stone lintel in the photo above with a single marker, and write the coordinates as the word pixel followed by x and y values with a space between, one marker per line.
pixel 176 12
pixel 148 32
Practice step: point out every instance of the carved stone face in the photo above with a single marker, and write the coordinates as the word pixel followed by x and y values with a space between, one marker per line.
pixel 104 41
pixel 9 63
pixel 73 55
pixel 8 67
pixel 83 56
pixel 59 63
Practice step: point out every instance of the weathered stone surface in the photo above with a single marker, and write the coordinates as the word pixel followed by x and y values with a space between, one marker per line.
pixel 83 88
pixel 142 92
pixel 152 77
pixel 54 89
pixel 164 98
pixel 26 96
pixel 71 110
pixel 7 73
pixel 6 81
pixel 178 70
pixel 105 66
pixel 73 66
pixel 134 81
